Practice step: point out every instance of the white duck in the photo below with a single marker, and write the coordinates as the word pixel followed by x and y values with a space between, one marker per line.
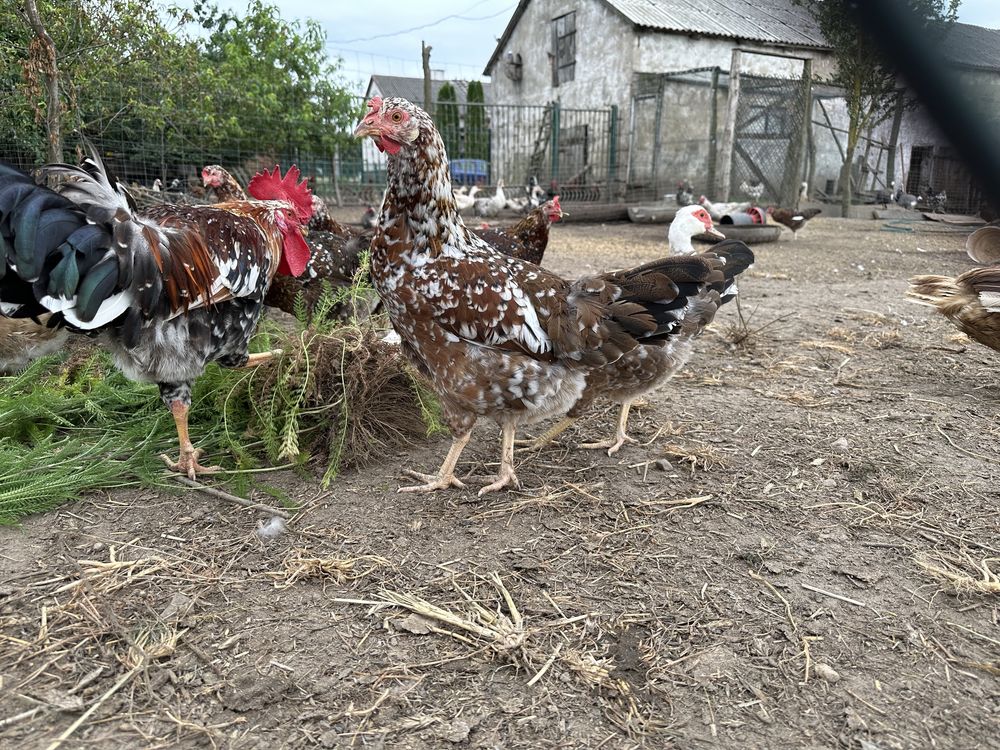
pixel 464 200
pixel 492 206
pixel 689 222
pixel 718 210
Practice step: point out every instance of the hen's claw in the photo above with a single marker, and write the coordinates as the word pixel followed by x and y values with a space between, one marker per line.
pixel 505 478
pixel 188 464
pixel 612 444
pixel 433 482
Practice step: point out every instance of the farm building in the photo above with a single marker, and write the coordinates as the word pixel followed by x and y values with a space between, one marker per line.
pixel 666 69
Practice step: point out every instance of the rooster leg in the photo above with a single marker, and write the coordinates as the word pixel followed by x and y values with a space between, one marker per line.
pixel 621 437
pixel 188 462
pixel 506 476
pixel 260 358
pixel 445 477
pixel 548 436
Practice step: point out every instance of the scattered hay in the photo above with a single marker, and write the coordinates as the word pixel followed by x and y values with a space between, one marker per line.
pixel 887 339
pixel 298 566
pixel 840 333
pixel 700 456
pixel 965 574
pixel 831 345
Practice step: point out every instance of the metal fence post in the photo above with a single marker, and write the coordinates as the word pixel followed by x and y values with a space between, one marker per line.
pixel 612 150
pixel 555 142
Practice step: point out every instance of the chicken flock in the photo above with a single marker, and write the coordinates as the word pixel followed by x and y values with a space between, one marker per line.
pixel 170 288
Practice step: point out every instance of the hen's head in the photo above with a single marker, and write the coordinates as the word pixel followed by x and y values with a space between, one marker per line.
pixel 694 220
pixel 392 123
pixel 212 175
pixel 271 186
pixel 553 211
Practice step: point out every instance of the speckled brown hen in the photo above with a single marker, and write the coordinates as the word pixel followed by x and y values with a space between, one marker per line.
pixel 528 238
pixel 659 357
pixel 496 337
pixel 971 301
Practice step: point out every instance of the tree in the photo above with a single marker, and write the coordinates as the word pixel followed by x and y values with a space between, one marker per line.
pixel 446 116
pixel 477 136
pixel 869 81
pixel 164 94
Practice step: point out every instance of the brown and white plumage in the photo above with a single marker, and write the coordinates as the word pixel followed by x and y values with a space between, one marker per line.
pixel 971 300
pixel 496 336
pixel 528 238
pixel 23 341
pixel 794 220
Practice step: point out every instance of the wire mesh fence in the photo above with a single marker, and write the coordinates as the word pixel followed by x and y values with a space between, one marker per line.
pixel 572 151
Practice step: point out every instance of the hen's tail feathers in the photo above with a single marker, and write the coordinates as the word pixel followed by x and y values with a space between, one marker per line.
pixel 660 297
pixel 738 257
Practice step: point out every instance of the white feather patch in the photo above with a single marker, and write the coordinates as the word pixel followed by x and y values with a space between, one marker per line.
pixel 990 300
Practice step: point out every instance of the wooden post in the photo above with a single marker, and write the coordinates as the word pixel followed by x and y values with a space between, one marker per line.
pixel 897 119
pixel 729 134
pixel 53 106
pixel 425 53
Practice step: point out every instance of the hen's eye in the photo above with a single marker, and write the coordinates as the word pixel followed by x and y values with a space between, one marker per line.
pixel 397 117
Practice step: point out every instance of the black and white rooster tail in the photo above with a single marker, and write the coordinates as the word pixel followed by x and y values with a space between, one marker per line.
pixel 74 252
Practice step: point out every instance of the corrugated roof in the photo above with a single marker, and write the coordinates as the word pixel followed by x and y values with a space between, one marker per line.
pixel 973 47
pixel 778 22
pixel 413 88
pixel 770 21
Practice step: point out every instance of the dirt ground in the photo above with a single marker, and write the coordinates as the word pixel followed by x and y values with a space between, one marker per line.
pixel 802 552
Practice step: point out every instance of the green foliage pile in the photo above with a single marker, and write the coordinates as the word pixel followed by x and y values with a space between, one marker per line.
pixel 338 396
pixel 163 91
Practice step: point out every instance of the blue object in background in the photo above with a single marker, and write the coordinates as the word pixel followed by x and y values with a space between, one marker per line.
pixel 470 171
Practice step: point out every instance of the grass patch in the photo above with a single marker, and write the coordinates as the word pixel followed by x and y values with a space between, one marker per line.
pixel 338 396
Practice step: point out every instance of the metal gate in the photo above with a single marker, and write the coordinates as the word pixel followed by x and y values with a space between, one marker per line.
pixel 769 136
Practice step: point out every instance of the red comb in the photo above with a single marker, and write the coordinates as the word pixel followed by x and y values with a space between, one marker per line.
pixel 374 104
pixel 271 186
pixel 555 203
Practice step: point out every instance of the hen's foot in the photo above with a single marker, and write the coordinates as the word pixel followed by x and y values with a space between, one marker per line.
pixel 506 478
pixel 434 482
pixel 188 464
pixel 612 444
pixel 546 437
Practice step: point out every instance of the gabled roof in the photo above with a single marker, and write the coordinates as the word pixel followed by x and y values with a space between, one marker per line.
pixel 413 88
pixel 974 47
pixel 779 22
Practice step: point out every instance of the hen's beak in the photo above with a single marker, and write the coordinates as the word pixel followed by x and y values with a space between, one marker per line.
pixel 365 129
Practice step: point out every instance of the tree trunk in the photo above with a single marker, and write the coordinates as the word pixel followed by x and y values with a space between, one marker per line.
pixel 53 105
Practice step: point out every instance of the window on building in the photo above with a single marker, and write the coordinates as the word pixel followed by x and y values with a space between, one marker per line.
pixel 564 46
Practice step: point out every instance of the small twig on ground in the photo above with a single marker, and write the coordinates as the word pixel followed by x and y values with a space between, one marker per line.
pixel 231 498
pixel 832 595
pixel 546 666
pixel 791 620
pixel 97 704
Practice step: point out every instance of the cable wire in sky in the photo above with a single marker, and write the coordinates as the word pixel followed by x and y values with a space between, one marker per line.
pixel 453 16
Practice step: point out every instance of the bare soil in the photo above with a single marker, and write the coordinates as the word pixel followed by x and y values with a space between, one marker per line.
pixel 802 551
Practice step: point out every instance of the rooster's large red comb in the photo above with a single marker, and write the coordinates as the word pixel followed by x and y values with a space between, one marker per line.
pixel 271 186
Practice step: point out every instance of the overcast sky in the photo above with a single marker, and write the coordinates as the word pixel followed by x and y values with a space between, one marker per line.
pixel 384 37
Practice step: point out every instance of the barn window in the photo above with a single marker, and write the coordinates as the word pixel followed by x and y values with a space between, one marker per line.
pixel 564 44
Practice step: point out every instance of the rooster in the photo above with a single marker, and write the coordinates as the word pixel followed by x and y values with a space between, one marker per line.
pixel 496 336
pixel 794 220
pixel 971 300
pixel 168 290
